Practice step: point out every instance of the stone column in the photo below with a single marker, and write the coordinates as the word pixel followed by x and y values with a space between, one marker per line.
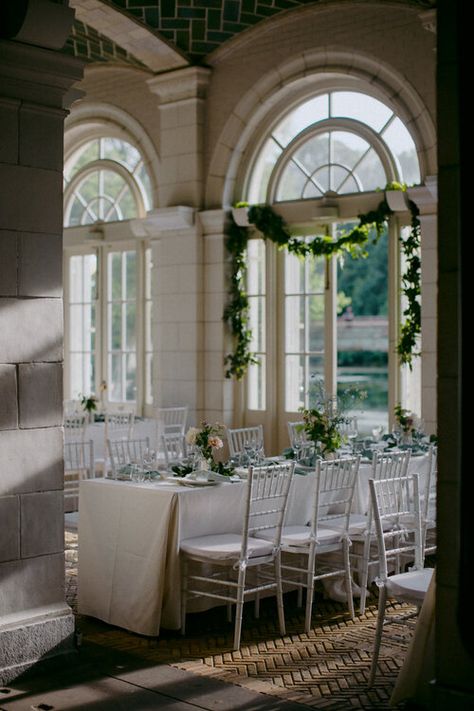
pixel 218 390
pixel 34 620
pixel 177 311
pixel 181 96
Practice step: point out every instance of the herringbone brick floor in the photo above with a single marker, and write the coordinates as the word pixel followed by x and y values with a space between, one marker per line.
pixel 326 669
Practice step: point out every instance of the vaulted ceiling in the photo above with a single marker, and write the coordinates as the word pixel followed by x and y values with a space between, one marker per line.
pixel 187 31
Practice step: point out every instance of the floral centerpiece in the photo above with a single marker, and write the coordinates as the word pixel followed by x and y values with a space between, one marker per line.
pixel 89 403
pixel 206 439
pixel 322 423
pixel 408 423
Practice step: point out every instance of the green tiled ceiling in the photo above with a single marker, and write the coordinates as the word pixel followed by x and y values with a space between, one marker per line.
pixel 196 27
pixel 86 43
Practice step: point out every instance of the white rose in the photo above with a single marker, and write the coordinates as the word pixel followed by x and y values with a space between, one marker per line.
pixel 191 435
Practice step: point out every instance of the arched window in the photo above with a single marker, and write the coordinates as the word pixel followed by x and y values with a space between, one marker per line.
pixel 107 275
pixel 334 320
pixel 105 179
pixel 340 142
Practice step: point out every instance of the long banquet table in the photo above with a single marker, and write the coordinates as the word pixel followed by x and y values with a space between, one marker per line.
pixel 130 533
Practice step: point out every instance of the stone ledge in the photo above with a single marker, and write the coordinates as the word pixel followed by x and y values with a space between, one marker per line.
pixel 37 637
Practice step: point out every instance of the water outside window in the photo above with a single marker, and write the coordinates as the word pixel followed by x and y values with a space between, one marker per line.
pixel 362 331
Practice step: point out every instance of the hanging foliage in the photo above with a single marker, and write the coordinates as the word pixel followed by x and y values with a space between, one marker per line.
pixel 273 227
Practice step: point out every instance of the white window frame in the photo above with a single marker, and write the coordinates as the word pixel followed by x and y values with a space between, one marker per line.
pixel 113 238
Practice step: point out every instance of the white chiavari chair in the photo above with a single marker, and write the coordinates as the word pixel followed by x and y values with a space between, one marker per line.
pixel 396 510
pixel 78 464
pixel 232 554
pixel 123 452
pixel 239 438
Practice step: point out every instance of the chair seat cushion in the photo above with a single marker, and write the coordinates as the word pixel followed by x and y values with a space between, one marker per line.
pixel 301 536
pixel 225 546
pixel 411 586
pixel 357 523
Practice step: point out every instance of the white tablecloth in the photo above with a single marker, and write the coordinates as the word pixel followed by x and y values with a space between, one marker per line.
pixel 129 535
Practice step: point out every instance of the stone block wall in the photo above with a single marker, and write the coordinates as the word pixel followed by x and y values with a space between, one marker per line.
pixel 34 619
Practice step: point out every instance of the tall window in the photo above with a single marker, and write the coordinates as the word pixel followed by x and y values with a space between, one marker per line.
pixel 108 296
pixel 331 320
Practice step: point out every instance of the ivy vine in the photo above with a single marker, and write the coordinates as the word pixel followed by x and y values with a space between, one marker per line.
pixel 274 228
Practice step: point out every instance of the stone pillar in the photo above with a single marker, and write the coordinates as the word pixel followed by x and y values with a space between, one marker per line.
pixel 34 618
pixel 429 320
pixel 218 390
pixel 181 96
pixel 177 320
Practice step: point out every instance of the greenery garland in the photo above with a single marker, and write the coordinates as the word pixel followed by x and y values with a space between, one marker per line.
pixel 274 228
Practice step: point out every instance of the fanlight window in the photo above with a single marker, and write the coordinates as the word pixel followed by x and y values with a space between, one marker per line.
pixel 342 141
pixel 105 179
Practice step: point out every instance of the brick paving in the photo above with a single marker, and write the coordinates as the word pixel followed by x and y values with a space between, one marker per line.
pixel 327 669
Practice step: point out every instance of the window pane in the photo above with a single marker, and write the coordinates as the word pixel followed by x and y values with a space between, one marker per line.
pixel 362 333
pixel 131 326
pixel 316 323
pixel 115 275
pixel 295 321
pixel 256 385
pixel 267 158
pixel 87 153
pixel 294 382
pixel 402 146
pixel 292 183
pixel 315 369
pixel 315 274
pixel 308 113
pixel 363 108
pixel 131 274
pixel 347 148
pixel 115 374
pixel 256 267
pixel 314 152
pixel 257 323
pixel 131 377
pixel 120 151
pixel 115 326
pixel 370 172
pixel 294 274
pixel 75 279
pixel 127 205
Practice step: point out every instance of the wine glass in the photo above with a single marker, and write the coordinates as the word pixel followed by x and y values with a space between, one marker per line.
pixel 377 433
pixel 352 431
pixel 397 434
pixel 297 450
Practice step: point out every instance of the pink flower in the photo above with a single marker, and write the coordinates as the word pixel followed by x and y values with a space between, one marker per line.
pixel 215 442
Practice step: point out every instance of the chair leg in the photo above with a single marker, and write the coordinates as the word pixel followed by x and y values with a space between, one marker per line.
pixel 309 590
pixel 184 593
pixel 378 633
pixel 279 595
pixel 348 578
pixel 364 574
pixel 239 607
pixel 256 609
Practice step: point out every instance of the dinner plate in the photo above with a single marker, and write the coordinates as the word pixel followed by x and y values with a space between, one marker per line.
pixel 196 482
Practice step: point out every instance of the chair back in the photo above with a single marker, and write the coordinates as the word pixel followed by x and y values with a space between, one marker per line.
pixel 75 426
pixel 238 437
pixel 72 407
pixel 174 448
pixel 126 451
pixel 119 425
pixel 396 512
pixel 335 482
pixel 428 502
pixel 171 420
pixel 390 465
pixel 78 465
pixel 267 497
pixel 296 434
pixel 429 494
